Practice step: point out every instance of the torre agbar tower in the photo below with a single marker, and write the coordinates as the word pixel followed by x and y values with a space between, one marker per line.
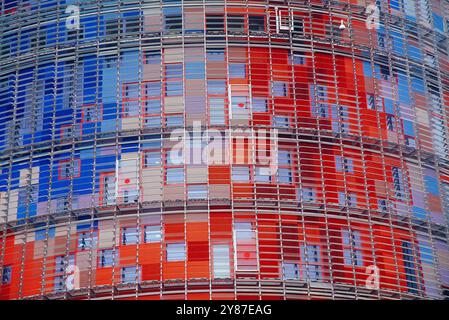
pixel 224 149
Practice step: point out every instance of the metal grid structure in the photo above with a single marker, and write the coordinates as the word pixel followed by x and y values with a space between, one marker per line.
pixel 93 206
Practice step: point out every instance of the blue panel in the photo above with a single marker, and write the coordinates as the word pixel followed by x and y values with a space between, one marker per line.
pixel 438 22
pixel 41 234
pixel 408 128
pixel 432 185
pixel 419 213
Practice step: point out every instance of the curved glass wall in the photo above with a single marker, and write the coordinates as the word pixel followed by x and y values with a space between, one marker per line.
pixel 224 149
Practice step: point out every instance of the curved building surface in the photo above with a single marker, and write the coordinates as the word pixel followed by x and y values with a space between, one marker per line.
pixel 224 149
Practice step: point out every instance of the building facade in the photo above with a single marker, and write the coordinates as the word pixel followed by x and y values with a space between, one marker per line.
pixel 224 149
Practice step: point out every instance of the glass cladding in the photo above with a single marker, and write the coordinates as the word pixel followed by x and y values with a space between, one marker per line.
pixel 230 149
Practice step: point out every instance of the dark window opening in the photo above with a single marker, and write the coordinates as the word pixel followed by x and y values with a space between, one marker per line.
pixel 256 23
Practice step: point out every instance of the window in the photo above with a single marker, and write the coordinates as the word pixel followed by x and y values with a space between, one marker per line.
pixel 130 235
pixel 290 271
pixel 152 159
pixel 298 58
pixel 382 205
pixel 284 176
pixel 280 89
pixel 152 57
pixel 256 23
pixel 311 262
pixel 68 131
pixel 350 200
pixel 221 263
pixel 237 70
pixel 281 122
pixel 176 252
pixel 340 112
pixel 107 258
pixel 260 105
pixel 110 62
pixel 153 89
pixel 69 169
pixel 352 248
pixel 90 114
pixel 318 96
pixel 298 25
pixel 107 190
pixel 87 240
pixel 197 192
pixel 74 34
pixel 391 123
pixel 397 181
pixel 15 134
pixel 215 23
pixel 6 275
pixel 344 164
pixel 216 87
pixel 174 79
pixel 409 266
pixel 131 108
pixel 112 27
pixel 132 25
pixel 66 202
pixel 40 40
pixel 130 196
pixel 64 266
pixel 217 112
pixel 153 107
pixel 28 195
pixel 175 175
pixel 340 117
pixel 60 263
pixel 172 19
pixel 59 283
pixel 236 23
pixel 240 174
pixel 130 275
pixel 153 122
pixel 374 102
pixel 262 174
pixel 284 157
pixel 306 195
pixel 215 54
pixel 238 103
pixel 174 121
pixel 152 234
pixel 244 231
pixel 245 243
pixel 174 88
pixel 239 107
